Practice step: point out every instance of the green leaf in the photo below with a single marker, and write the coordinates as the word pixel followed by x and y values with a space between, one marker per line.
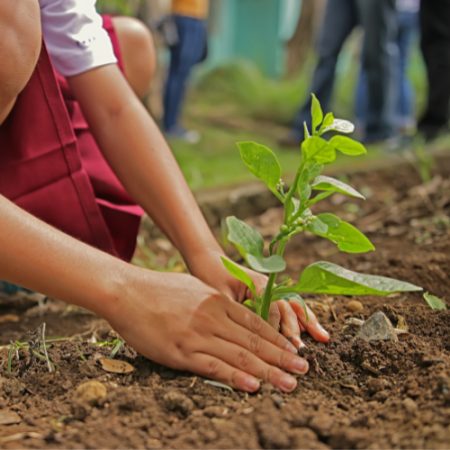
pixel 261 162
pixel 306 131
pixel 347 146
pixel 304 189
pixel 348 238
pixel 318 227
pixel 251 305
pixel 327 122
pixel 434 302
pixel 292 297
pixel 295 206
pixel 317 150
pixel 320 197
pixel 238 273
pixel 323 183
pixel 316 113
pixel 245 238
pixel 314 169
pixel 274 263
pixel 327 278
pixel 340 125
pixel 251 245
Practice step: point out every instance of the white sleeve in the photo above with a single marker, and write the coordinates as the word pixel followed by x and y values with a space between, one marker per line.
pixel 74 35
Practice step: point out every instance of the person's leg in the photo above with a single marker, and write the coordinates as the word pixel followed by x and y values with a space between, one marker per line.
pixel 380 56
pixel 138 52
pixel 20 46
pixel 407 26
pixel 361 102
pixel 435 44
pixel 339 20
pixel 187 53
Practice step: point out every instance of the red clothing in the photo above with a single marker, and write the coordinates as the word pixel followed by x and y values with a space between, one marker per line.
pixel 51 166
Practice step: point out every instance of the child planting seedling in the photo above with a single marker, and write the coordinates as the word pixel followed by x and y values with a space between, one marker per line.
pixel 320 277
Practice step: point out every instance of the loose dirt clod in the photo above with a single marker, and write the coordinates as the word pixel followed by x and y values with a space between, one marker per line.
pixel 377 328
pixel 177 402
pixel 354 306
pixel 90 392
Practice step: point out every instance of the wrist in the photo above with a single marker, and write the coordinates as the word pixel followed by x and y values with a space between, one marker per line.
pixel 197 261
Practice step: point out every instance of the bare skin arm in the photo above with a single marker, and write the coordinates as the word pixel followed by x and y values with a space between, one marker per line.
pixel 172 319
pixel 141 158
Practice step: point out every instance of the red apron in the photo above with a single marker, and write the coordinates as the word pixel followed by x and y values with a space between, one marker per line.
pixel 51 166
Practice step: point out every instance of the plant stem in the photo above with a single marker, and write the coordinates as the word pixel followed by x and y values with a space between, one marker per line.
pixel 290 194
pixel 267 296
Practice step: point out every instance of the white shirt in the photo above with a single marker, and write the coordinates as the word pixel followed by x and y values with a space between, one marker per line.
pixel 74 35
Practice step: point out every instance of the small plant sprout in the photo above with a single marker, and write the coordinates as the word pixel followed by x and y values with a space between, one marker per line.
pixel 81 355
pixel 434 302
pixel 116 348
pixel 320 277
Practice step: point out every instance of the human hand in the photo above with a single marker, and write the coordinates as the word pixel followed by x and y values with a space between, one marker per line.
pixel 178 321
pixel 290 317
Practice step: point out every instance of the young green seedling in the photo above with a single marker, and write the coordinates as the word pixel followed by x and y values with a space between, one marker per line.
pixel 320 277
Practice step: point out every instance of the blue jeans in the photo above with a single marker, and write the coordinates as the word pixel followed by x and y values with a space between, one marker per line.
pixel 408 24
pixel 379 57
pixel 190 50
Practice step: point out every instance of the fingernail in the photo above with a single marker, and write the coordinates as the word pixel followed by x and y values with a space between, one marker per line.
pixel 251 385
pixel 291 348
pixel 303 345
pixel 287 383
pixel 300 366
pixel 297 342
pixel 323 331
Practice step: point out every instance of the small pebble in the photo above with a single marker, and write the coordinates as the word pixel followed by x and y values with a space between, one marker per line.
pixel 354 306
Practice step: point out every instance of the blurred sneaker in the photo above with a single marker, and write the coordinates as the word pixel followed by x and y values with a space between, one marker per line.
pixel 189 136
pixel 392 144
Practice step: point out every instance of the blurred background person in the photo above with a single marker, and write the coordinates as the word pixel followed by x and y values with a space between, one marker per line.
pixel 190 49
pixel 379 57
pixel 408 26
pixel 435 45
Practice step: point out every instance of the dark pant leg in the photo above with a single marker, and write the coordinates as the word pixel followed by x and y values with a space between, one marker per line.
pixel 339 20
pixel 380 62
pixel 435 44
pixel 184 55
pixel 407 27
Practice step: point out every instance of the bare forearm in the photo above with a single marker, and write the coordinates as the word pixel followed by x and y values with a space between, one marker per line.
pixel 139 155
pixel 41 258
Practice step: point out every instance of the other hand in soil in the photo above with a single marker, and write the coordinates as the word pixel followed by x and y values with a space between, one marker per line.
pixel 289 318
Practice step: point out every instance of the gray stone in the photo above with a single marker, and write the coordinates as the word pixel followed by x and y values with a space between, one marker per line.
pixel 377 328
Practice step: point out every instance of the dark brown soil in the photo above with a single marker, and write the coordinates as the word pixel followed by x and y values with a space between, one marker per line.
pixel 356 395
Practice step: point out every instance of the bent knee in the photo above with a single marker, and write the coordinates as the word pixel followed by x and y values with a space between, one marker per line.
pixel 20 46
pixel 138 52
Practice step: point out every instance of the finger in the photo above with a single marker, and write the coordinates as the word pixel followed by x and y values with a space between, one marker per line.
pixel 302 328
pixel 289 322
pixel 274 319
pixel 248 362
pixel 313 326
pixel 257 347
pixel 218 370
pixel 240 315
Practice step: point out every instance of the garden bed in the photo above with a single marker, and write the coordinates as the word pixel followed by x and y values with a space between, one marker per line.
pixel 356 394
